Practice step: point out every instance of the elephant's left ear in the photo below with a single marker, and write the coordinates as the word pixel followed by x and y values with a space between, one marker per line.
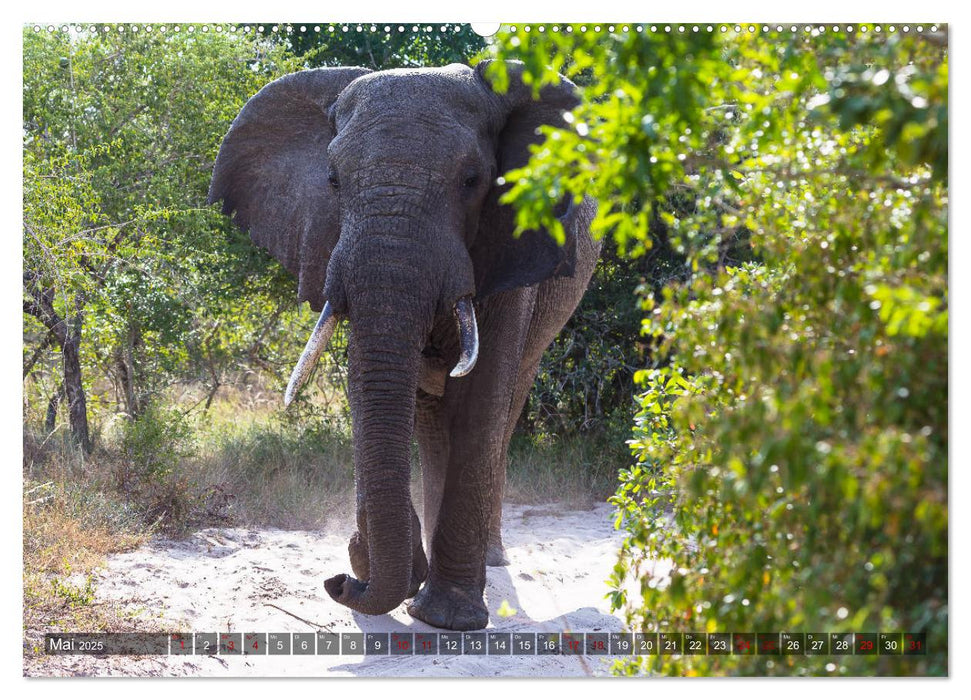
pixel 501 260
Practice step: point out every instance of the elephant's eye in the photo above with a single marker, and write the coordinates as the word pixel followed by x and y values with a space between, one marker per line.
pixel 470 182
pixel 334 182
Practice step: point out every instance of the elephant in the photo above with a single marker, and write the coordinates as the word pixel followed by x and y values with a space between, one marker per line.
pixel 381 192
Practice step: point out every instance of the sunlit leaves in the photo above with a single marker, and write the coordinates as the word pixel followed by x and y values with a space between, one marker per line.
pixel 120 131
pixel 377 46
pixel 624 144
pixel 907 311
pixel 791 462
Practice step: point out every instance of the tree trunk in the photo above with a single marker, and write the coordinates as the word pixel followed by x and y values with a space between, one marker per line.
pixel 125 372
pixel 125 363
pixel 67 333
pixel 50 420
pixel 77 404
pixel 48 339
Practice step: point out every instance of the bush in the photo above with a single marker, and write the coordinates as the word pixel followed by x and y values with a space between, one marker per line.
pixel 791 461
pixel 154 443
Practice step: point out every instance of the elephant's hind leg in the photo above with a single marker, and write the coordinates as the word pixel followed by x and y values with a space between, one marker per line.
pixel 552 304
pixel 433 451
pixel 496 552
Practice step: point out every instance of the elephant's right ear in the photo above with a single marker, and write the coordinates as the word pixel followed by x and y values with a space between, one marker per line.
pixel 272 171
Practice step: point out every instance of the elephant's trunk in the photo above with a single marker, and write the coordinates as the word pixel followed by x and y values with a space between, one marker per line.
pixel 389 319
pixel 390 275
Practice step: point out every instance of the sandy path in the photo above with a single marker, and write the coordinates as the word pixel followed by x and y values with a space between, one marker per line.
pixel 225 580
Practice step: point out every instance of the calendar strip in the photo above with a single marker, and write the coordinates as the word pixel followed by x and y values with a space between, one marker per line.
pixel 491 643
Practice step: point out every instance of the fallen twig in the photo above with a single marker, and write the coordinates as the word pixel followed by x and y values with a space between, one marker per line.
pixel 297 617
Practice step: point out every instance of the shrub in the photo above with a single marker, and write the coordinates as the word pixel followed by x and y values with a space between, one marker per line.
pixel 791 461
pixel 154 443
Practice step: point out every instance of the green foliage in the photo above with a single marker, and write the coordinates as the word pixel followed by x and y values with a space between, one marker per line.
pixel 72 595
pixel 155 443
pixel 61 205
pixel 791 462
pixel 120 131
pixel 646 109
pixel 377 46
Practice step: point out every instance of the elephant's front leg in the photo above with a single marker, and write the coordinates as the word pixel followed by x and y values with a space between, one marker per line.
pixel 452 595
pixel 432 429
pixel 474 409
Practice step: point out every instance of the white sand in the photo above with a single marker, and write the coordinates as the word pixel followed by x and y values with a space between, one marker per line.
pixel 226 580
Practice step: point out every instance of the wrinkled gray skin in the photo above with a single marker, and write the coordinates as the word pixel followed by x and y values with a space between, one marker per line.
pixel 378 190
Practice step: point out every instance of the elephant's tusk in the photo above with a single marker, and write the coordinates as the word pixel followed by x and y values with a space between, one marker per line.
pixel 469 335
pixel 315 346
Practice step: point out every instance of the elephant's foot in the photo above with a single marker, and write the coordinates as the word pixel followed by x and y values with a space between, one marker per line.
pixel 496 554
pixel 450 607
pixel 360 563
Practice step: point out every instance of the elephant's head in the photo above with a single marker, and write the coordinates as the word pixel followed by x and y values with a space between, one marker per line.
pixel 379 191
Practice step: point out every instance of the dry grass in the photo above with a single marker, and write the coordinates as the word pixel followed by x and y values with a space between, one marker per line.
pixel 70 525
pixel 269 471
pixel 574 470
